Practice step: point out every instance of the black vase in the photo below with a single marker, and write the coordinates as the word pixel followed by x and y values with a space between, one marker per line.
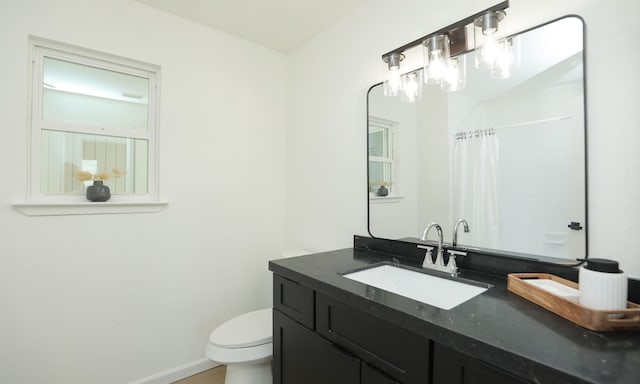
pixel 98 192
pixel 382 191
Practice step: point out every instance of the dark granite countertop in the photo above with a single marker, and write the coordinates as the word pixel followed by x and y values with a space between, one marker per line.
pixel 497 327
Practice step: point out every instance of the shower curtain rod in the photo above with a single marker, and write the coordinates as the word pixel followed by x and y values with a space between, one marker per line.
pixel 475 133
pixel 491 131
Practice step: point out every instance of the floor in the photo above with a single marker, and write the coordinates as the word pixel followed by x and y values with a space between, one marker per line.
pixel 212 376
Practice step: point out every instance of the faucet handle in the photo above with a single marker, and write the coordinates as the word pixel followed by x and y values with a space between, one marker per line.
pixel 427 256
pixel 452 265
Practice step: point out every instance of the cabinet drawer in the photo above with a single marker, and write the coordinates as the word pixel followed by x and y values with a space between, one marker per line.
pixel 394 351
pixel 294 300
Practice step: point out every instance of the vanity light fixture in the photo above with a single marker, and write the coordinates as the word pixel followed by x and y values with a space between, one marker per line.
pixel 444 55
pixel 392 81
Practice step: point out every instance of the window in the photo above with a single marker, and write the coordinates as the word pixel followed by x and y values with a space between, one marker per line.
pixel 382 156
pixel 91 112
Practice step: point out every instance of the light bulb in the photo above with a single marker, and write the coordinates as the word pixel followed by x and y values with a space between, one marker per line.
pixel 455 75
pixel 411 87
pixel 436 66
pixel 487 34
pixel 394 79
pixel 436 55
pixel 392 83
pixel 503 61
pixel 451 73
pixel 486 54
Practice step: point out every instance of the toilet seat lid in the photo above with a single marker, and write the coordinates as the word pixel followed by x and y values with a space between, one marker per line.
pixel 246 330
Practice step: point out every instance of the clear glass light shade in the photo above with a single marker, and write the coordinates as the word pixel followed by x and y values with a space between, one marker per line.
pixel 436 56
pixel 488 31
pixel 455 74
pixel 411 87
pixel 507 58
pixel 391 74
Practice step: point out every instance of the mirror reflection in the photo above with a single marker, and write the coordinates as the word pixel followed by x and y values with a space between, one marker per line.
pixel 506 155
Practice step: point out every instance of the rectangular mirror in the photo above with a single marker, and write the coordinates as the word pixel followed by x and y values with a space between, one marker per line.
pixel 506 155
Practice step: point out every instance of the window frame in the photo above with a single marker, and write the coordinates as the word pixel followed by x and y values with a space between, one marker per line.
pixel 39 49
pixel 392 159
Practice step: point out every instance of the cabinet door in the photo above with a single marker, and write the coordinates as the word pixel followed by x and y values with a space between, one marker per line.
pixel 451 367
pixel 398 353
pixel 302 357
pixel 294 300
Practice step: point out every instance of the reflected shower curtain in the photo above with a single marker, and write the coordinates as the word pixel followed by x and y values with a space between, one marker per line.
pixel 475 186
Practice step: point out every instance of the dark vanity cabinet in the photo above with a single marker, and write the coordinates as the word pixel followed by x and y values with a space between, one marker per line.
pixel 320 340
pixel 302 355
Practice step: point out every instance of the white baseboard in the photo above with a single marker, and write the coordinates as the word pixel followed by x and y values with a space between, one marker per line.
pixel 178 373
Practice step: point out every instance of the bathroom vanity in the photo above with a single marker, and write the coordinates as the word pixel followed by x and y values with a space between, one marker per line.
pixel 330 329
pixel 526 212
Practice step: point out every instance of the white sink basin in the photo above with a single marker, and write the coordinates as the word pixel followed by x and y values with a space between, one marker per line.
pixel 439 292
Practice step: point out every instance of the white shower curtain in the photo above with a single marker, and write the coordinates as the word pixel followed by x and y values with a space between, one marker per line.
pixel 475 186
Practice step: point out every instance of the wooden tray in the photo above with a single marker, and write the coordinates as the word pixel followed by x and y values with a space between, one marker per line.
pixel 595 320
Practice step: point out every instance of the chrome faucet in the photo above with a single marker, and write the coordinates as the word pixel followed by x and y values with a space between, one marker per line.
pixel 455 230
pixel 439 258
pixel 428 263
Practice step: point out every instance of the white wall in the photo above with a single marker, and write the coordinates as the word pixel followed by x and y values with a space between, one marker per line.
pixel 433 168
pixel 117 298
pixel 330 75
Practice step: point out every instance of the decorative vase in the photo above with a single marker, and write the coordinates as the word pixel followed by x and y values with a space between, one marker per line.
pixel 98 192
pixel 382 191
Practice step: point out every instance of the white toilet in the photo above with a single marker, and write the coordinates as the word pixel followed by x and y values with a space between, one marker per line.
pixel 244 344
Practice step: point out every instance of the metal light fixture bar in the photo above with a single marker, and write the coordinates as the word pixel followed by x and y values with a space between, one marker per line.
pixel 455 31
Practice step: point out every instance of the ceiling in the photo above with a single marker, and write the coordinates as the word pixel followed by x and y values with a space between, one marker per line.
pixel 283 25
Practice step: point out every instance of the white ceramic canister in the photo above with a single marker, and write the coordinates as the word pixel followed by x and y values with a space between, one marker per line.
pixel 603 285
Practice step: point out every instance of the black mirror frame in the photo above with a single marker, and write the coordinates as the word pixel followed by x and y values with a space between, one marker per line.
pixel 544 259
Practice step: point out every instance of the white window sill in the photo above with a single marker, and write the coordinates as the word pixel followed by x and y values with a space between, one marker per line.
pixel 88 208
pixel 384 199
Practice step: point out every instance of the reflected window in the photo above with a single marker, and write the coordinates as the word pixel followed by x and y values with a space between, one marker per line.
pixel 95 113
pixel 382 135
